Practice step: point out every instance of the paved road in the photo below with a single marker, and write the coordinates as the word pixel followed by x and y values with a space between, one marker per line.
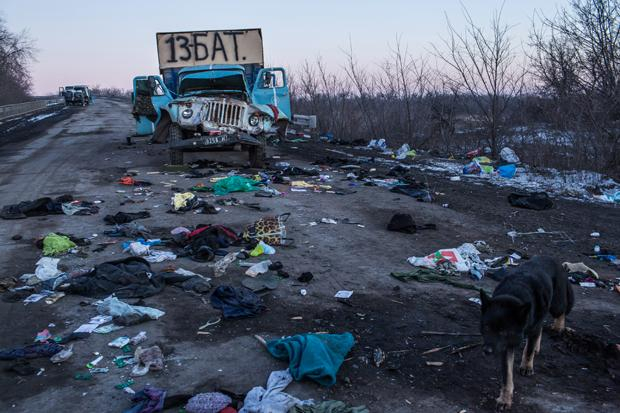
pixel 85 154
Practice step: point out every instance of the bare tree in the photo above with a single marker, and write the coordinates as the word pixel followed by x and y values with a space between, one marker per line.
pixel 577 59
pixel 483 65
pixel 16 52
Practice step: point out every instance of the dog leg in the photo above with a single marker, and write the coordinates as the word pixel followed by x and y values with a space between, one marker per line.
pixel 527 361
pixel 504 401
pixel 558 323
pixel 537 347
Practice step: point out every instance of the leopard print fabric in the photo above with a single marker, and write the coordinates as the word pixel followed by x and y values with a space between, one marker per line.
pixel 270 230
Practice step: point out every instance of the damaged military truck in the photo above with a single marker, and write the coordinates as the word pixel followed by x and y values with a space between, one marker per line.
pixel 213 93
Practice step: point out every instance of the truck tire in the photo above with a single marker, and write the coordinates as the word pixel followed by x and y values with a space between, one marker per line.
pixel 175 135
pixel 282 126
pixel 257 156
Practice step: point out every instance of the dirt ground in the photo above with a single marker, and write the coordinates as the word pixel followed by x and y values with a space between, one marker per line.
pixel 83 152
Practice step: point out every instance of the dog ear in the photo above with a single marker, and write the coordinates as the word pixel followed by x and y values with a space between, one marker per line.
pixel 485 300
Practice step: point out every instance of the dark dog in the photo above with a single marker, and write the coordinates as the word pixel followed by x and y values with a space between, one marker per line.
pixel 517 310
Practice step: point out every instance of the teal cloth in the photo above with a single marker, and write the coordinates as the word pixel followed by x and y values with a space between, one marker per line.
pixel 235 183
pixel 315 356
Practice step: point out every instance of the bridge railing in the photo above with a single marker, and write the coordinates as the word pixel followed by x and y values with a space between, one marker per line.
pixel 17 109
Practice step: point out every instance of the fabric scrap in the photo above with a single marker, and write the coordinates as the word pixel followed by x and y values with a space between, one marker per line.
pixel 236 302
pixel 315 356
pixel 273 399
pixel 208 403
pixel 54 244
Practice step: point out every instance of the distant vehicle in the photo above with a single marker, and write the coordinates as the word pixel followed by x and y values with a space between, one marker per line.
pixel 76 95
pixel 214 94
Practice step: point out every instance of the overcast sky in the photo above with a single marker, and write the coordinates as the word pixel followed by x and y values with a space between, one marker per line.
pixel 108 42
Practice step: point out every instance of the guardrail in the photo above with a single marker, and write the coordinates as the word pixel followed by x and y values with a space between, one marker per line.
pixel 9 111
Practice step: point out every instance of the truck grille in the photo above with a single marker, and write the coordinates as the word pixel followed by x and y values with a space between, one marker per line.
pixel 224 114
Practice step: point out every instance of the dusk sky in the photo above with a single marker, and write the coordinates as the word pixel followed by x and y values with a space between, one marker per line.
pixel 108 42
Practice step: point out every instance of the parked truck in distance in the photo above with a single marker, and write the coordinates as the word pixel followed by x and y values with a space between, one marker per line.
pixel 76 95
pixel 213 93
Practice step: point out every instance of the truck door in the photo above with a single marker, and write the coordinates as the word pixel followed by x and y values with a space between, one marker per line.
pixel 271 88
pixel 148 97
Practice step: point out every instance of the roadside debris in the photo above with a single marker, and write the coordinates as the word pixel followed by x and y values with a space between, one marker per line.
pixel 54 244
pixel 125 217
pixel 236 302
pixel 538 201
pixel 47 206
pixel 425 275
pixel 465 258
pixel 405 223
pixel 314 356
pixel 207 402
pixel 125 314
pixel 273 398
pixel 579 267
pixel 149 359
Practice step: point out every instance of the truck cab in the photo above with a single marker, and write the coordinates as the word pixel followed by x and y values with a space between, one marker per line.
pixel 212 107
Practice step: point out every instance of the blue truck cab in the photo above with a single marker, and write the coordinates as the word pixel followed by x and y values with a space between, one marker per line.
pixel 232 103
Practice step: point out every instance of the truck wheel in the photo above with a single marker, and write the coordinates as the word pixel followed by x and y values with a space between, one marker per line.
pixel 175 135
pixel 257 156
pixel 162 130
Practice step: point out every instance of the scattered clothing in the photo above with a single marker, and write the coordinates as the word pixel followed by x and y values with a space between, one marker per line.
pixel 417 191
pixel 465 258
pixel 47 269
pixel 38 207
pixel 426 275
pixel 125 314
pixel 208 403
pixel 404 223
pixel 272 399
pixel 235 183
pixel 271 230
pixel 148 400
pixel 261 282
pixel 236 302
pixel 130 181
pixel 149 359
pixel 202 243
pixel 130 230
pixel 125 217
pixel 579 267
pixel 509 155
pixel 185 201
pixel 220 266
pixel 126 278
pixel 31 351
pixel 79 208
pixel 329 406
pixel 537 201
pixel 315 356
pixel 54 244
pixel 305 277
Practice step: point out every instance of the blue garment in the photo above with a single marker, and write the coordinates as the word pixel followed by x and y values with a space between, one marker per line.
pixel 148 400
pixel 315 356
pixel 507 171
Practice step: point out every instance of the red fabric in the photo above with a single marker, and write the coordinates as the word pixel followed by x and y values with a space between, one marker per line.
pixel 228 410
pixel 127 180
pixel 227 231
pixel 276 112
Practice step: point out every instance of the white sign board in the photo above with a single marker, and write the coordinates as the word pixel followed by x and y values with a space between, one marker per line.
pixel 235 47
